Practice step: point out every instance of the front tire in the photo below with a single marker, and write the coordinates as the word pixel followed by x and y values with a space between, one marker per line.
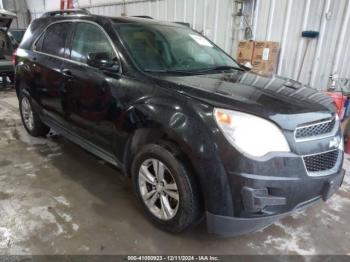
pixel 166 189
pixel 30 117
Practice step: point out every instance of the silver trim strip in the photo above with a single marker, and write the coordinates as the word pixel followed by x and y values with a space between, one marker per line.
pixel 317 137
pixel 318 123
pixel 33 48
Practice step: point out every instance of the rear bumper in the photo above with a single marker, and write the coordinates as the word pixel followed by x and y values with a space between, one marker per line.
pixel 234 226
pixel 6 68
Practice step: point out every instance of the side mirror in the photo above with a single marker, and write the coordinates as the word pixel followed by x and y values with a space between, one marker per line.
pixel 101 60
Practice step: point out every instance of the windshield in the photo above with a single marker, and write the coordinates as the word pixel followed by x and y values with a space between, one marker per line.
pixel 169 48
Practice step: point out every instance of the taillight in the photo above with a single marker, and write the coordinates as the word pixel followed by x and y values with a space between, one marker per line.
pixel 14 57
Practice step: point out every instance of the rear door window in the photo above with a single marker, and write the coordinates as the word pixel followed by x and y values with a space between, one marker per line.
pixel 53 41
pixel 88 38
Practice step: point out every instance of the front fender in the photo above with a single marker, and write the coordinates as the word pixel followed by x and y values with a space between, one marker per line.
pixel 189 124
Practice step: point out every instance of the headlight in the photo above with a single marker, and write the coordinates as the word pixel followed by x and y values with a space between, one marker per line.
pixel 250 134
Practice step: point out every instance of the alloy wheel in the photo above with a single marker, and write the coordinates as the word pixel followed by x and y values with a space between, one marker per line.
pixel 27 113
pixel 158 189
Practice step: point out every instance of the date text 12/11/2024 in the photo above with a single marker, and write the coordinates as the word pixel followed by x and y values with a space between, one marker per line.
pixel 173 258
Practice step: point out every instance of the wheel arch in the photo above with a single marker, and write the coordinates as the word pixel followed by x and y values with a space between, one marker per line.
pixel 159 136
pixel 188 125
pixel 20 77
pixel 176 142
pixel 154 134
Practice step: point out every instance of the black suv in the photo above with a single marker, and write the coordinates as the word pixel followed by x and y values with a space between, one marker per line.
pixel 198 134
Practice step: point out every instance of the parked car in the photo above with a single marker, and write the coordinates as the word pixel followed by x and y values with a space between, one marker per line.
pixel 7 46
pixel 199 135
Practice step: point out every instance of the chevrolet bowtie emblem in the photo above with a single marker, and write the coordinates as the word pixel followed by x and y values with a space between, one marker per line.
pixel 334 142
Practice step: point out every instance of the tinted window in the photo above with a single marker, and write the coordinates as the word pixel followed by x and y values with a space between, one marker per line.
pixel 39 43
pixel 54 39
pixel 88 39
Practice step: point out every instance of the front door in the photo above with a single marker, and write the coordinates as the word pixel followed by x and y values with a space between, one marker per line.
pixel 89 104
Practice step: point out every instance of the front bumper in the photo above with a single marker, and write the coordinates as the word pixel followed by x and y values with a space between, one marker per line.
pixel 234 226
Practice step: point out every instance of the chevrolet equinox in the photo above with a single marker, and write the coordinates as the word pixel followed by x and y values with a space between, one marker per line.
pixel 199 135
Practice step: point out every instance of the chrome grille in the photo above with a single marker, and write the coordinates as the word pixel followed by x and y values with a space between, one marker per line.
pixel 317 129
pixel 321 162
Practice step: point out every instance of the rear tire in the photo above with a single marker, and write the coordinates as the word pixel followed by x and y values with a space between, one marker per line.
pixel 30 117
pixel 170 196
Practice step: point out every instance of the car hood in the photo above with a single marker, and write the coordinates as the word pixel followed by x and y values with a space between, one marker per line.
pixel 286 102
pixel 6 18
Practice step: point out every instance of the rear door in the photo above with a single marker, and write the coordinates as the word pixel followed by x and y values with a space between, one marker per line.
pixel 49 54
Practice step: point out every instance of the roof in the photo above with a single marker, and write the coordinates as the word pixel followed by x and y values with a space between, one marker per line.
pixel 145 21
pixel 84 14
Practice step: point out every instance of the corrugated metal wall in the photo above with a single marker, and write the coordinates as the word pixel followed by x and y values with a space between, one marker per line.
pixel 275 20
pixel 213 18
pixel 20 8
pixel 284 21
pixel 206 16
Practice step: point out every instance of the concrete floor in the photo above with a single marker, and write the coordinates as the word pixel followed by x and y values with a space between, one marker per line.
pixel 56 198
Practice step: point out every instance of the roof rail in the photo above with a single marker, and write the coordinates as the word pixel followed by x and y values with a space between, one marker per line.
pixel 183 23
pixel 143 16
pixel 67 12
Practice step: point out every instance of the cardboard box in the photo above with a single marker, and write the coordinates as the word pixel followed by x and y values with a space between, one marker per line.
pixel 265 57
pixel 245 52
pixel 262 55
pixel 265 51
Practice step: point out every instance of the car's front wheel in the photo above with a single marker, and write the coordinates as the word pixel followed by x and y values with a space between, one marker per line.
pixel 166 189
pixel 30 118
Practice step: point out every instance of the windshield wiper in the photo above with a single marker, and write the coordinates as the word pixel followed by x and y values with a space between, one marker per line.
pixel 169 71
pixel 218 68
pixel 196 71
